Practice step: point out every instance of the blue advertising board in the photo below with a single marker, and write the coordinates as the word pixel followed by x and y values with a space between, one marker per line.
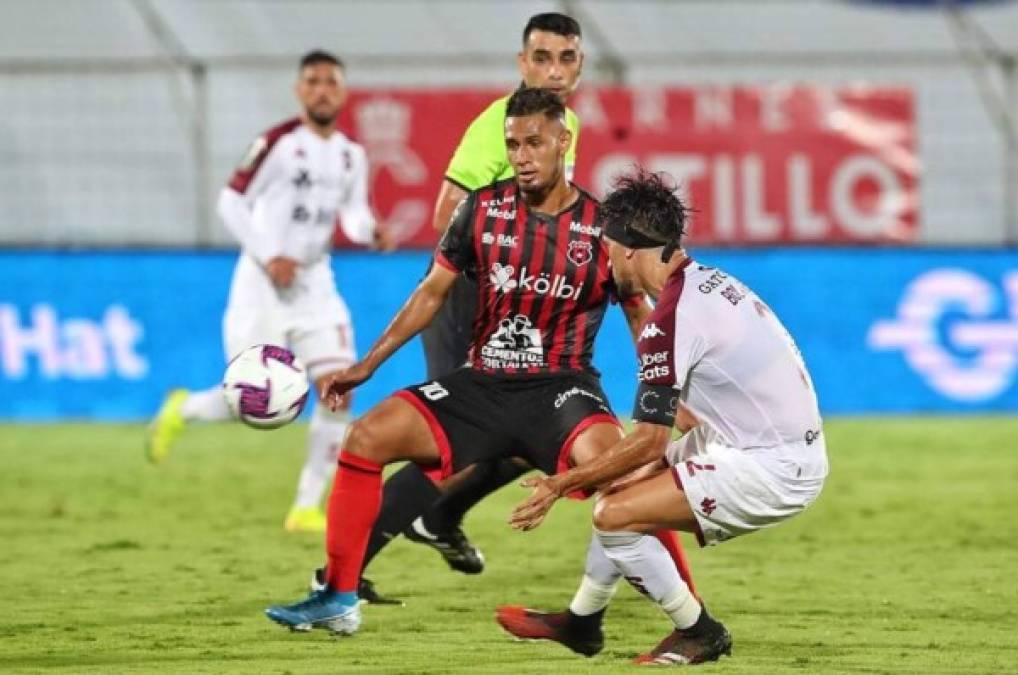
pixel 105 335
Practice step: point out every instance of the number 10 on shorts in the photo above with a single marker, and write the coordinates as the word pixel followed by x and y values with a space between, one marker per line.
pixel 434 391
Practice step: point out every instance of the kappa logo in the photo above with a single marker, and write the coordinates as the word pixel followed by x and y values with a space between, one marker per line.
pixel 650 331
pixel 580 252
pixel 957 331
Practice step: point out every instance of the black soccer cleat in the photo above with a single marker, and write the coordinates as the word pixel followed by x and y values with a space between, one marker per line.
pixel 689 647
pixel 454 546
pixel 530 624
pixel 366 591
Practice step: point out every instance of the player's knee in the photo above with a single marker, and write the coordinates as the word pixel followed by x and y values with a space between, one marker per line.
pixel 363 440
pixel 610 515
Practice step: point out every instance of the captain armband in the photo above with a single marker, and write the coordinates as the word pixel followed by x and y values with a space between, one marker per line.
pixel 656 404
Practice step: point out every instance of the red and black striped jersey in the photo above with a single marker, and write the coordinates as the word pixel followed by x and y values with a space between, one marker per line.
pixel 544 280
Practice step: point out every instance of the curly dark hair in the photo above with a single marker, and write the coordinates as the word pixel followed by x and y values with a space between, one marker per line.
pixel 647 203
pixel 534 100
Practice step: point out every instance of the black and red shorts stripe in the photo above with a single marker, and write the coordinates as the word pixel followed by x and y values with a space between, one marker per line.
pixel 476 416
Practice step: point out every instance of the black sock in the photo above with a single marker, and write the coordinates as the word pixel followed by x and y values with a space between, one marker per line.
pixel 406 495
pixel 486 477
pixel 586 623
pixel 703 622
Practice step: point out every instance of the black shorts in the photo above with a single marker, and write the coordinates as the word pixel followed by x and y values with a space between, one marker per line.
pixel 476 417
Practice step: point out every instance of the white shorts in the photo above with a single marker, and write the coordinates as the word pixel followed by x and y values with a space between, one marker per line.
pixel 735 491
pixel 310 318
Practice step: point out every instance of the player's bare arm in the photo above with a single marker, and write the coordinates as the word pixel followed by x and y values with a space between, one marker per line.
pixel 417 313
pixel 449 197
pixel 647 443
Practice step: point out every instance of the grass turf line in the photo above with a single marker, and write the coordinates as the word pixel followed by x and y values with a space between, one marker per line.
pixel 905 564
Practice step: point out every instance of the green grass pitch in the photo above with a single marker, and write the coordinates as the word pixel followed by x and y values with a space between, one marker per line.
pixel 906 564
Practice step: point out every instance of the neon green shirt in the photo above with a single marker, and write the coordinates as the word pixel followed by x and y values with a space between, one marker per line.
pixel 480 158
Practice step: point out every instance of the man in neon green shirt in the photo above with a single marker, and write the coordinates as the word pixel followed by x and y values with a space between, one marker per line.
pixel 551 58
pixel 481 159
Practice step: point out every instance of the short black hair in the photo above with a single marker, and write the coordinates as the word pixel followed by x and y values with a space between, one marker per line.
pixel 316 56
pixel 647 203
pixel 533 100
pixel 552 22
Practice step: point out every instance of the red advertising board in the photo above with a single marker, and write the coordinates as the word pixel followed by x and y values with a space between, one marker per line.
pixel 759 165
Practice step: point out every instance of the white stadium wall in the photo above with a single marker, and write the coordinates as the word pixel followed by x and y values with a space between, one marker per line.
pixel 119 125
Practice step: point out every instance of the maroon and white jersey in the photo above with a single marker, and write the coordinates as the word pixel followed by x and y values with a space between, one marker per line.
pixel 544 280
pixel 712 345
pixel 283 201
pixel 285 197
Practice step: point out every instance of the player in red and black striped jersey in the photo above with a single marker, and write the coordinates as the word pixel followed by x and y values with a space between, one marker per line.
pixel 543 279
pixel 530 389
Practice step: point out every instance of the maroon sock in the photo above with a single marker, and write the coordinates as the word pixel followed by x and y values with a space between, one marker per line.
pixel 353 508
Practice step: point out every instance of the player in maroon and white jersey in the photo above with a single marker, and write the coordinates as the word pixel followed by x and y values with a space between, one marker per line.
pixel 716 364
pixel 530 389
pixel 281 205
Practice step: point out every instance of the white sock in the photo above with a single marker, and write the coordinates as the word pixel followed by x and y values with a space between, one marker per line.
pixel 208 405
pixel 599 581
pixel 645 564
pixel 325 437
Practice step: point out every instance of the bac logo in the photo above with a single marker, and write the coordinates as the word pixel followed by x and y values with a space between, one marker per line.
pixel 958 331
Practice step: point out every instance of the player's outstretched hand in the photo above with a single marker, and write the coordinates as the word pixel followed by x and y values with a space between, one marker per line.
pixel 531 512
pixel 334 388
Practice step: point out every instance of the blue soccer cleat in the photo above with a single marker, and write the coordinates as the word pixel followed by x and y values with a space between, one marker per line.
pixel 322 609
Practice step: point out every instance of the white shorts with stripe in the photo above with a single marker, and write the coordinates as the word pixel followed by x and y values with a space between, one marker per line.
pixel 734 491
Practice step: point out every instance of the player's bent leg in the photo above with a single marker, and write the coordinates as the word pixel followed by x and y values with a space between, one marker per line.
pixel 646 507
pixel 649 505
pixel 595 440
pixel 392 430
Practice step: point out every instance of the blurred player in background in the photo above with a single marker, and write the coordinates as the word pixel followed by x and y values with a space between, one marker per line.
pixel 718 365
pixel 552 59
pixel 281 205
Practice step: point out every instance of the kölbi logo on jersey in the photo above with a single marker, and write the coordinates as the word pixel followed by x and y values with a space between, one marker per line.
pixel 504 279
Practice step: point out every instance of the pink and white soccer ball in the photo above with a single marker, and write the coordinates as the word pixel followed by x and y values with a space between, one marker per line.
pixel 265 386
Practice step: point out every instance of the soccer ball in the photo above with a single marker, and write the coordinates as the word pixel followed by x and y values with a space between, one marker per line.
pixel 265 386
